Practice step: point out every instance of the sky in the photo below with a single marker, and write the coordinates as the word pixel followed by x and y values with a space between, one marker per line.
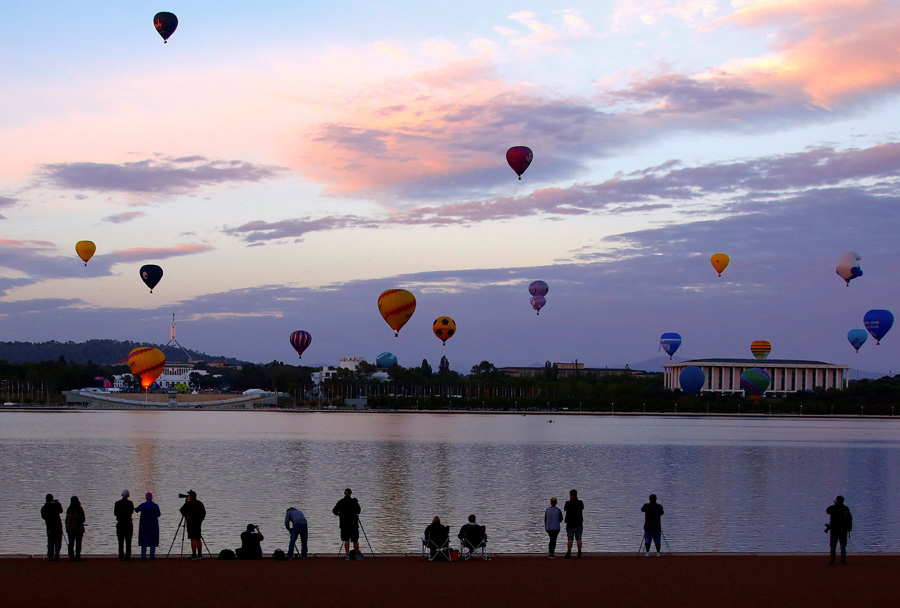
pixel 286 163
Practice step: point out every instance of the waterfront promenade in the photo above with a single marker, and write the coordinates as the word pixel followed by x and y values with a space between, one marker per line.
pixel 699 580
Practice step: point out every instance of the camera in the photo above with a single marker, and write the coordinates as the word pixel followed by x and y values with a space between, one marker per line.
pixel 182 495
pixel 827 528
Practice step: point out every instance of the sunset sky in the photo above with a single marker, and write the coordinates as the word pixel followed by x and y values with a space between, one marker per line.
pixel 285 163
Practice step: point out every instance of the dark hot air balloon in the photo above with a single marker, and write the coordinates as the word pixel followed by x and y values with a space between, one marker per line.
pixel 692 379
pixel 300 340
pixel 878 323
pixel 519 157
pixel 151 275
pixel 857 338
pixel 165 24
pixel 670 342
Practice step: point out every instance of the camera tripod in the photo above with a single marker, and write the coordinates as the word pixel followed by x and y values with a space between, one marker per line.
pixel 182 525
pixel 371 552
pixel 641 546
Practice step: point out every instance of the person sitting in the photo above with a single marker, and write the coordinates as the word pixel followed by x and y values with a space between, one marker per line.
pixel 473 538
pixel 250 543
pixel 437 538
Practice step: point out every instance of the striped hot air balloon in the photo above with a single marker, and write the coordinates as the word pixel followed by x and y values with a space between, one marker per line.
pixel 147 363
pixel 754 381
pixel 396 307
pixel 300 340
pixel 760 349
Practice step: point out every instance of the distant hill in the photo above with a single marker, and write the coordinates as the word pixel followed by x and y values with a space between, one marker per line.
pixel 101 352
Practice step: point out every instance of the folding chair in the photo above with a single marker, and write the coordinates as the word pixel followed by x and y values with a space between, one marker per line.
pixel 436 546
pixel 474 542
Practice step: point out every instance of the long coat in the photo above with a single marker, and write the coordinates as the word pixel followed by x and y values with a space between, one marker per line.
pixel 148 528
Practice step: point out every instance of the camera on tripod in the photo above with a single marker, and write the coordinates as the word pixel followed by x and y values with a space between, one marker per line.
pixel 186 496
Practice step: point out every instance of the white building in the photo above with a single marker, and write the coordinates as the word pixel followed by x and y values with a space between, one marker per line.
pixel 349 363
pixel 173 375
pixel 787 375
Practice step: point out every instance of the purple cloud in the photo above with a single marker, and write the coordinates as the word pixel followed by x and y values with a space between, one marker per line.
pixel 168 176
pixel 126 216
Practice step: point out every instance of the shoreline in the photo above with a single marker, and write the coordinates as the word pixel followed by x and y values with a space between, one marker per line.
pixel 696 580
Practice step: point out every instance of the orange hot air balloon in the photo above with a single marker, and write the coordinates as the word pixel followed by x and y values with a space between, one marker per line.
pixel 761 349
pixel 147 363
pixel 720 262
pixel 85 250
pixel 396 307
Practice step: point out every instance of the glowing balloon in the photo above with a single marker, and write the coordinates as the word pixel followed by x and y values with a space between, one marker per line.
pixel 396 307
pixel 538 302
pixel 165 24
pixel 760 349
pixel 719 261
pixel 146 363
pixel 519 157
pixel 538 288
pixel 85 250
pixel 857 338
pixel 878 323
pixel 848 266
pixel 444 328
pixel 386 360
pixel 151 275
pixel 692 379
pixel 754 381
pixel 300 340
pixel 670 342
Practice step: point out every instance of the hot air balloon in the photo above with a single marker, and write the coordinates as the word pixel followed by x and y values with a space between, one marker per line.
pixel 146 363
pixel 754 381
pixel 396 307
pixel 857 338
pixel 719 261
pixel 878 323
pixel 519 157
pixel 300 340
pixel 538 288
pixel 760 349
pixel 104 382
pixel 385 361
pixel 85 250
pixel 670 342
pixel 692 379
pixel 848 266
pixel 444 328
pixel 150 275
pixel 165 24
pixel 538 302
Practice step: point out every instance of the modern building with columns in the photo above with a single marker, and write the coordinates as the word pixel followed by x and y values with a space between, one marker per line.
pixel 787 375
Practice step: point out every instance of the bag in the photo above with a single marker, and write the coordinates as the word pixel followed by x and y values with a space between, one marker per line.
pixel 847 520
pixel 279 555
pixel 454 555
pixel 226 554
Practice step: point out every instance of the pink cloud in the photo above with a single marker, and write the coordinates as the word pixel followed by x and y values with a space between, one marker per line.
pixel 137 254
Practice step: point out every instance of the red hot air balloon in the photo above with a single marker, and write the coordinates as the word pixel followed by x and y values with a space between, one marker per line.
pixel 519 157
pixel 300 340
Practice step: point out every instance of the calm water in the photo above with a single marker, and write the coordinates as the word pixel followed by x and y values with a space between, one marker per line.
pixel 745 485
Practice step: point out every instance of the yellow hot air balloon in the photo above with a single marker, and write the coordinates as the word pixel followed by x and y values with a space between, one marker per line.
pixel 444 328
pixel 720 262
pixel 147 363
pixel 85 250
pixel 760 349
pixel 396 307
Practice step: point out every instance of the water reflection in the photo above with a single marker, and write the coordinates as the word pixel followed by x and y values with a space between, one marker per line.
pixel 757 485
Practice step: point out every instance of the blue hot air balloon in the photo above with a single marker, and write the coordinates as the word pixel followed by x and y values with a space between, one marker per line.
pixel 670 342
pixel 754 381
pixel 385 361
pixel 878 323
pixel 692 379
pixel 857 338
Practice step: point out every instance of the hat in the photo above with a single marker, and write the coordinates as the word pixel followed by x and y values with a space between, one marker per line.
pixel 126 493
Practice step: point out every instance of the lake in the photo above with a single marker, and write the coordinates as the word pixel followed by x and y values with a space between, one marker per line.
pixel 727 484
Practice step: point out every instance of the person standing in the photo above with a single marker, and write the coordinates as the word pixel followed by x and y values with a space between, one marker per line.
pixel 553 518
pixel 194 513
pixel 574 509
pixel 653 513
pixel 75 528
pixel 295 522
pixel 124 526
pixel 148 526
pixel 50 514
pixel 839 525
pixel 347 509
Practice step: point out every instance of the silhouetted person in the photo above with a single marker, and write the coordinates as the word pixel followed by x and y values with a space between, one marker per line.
pixel 124 526
pixel 553 518
pixel 653 513
pixel 148 526
pixel 840 523
pixel 194 513
pixel 437 534
pixel 347 509
pixel 75 528
pixel 250 543
pixel 574 509
pixel 295 522
pixel 50 514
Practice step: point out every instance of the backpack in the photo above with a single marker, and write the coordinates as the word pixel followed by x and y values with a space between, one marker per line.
pixel 226 554
pixel 847 520
pixel 279 555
